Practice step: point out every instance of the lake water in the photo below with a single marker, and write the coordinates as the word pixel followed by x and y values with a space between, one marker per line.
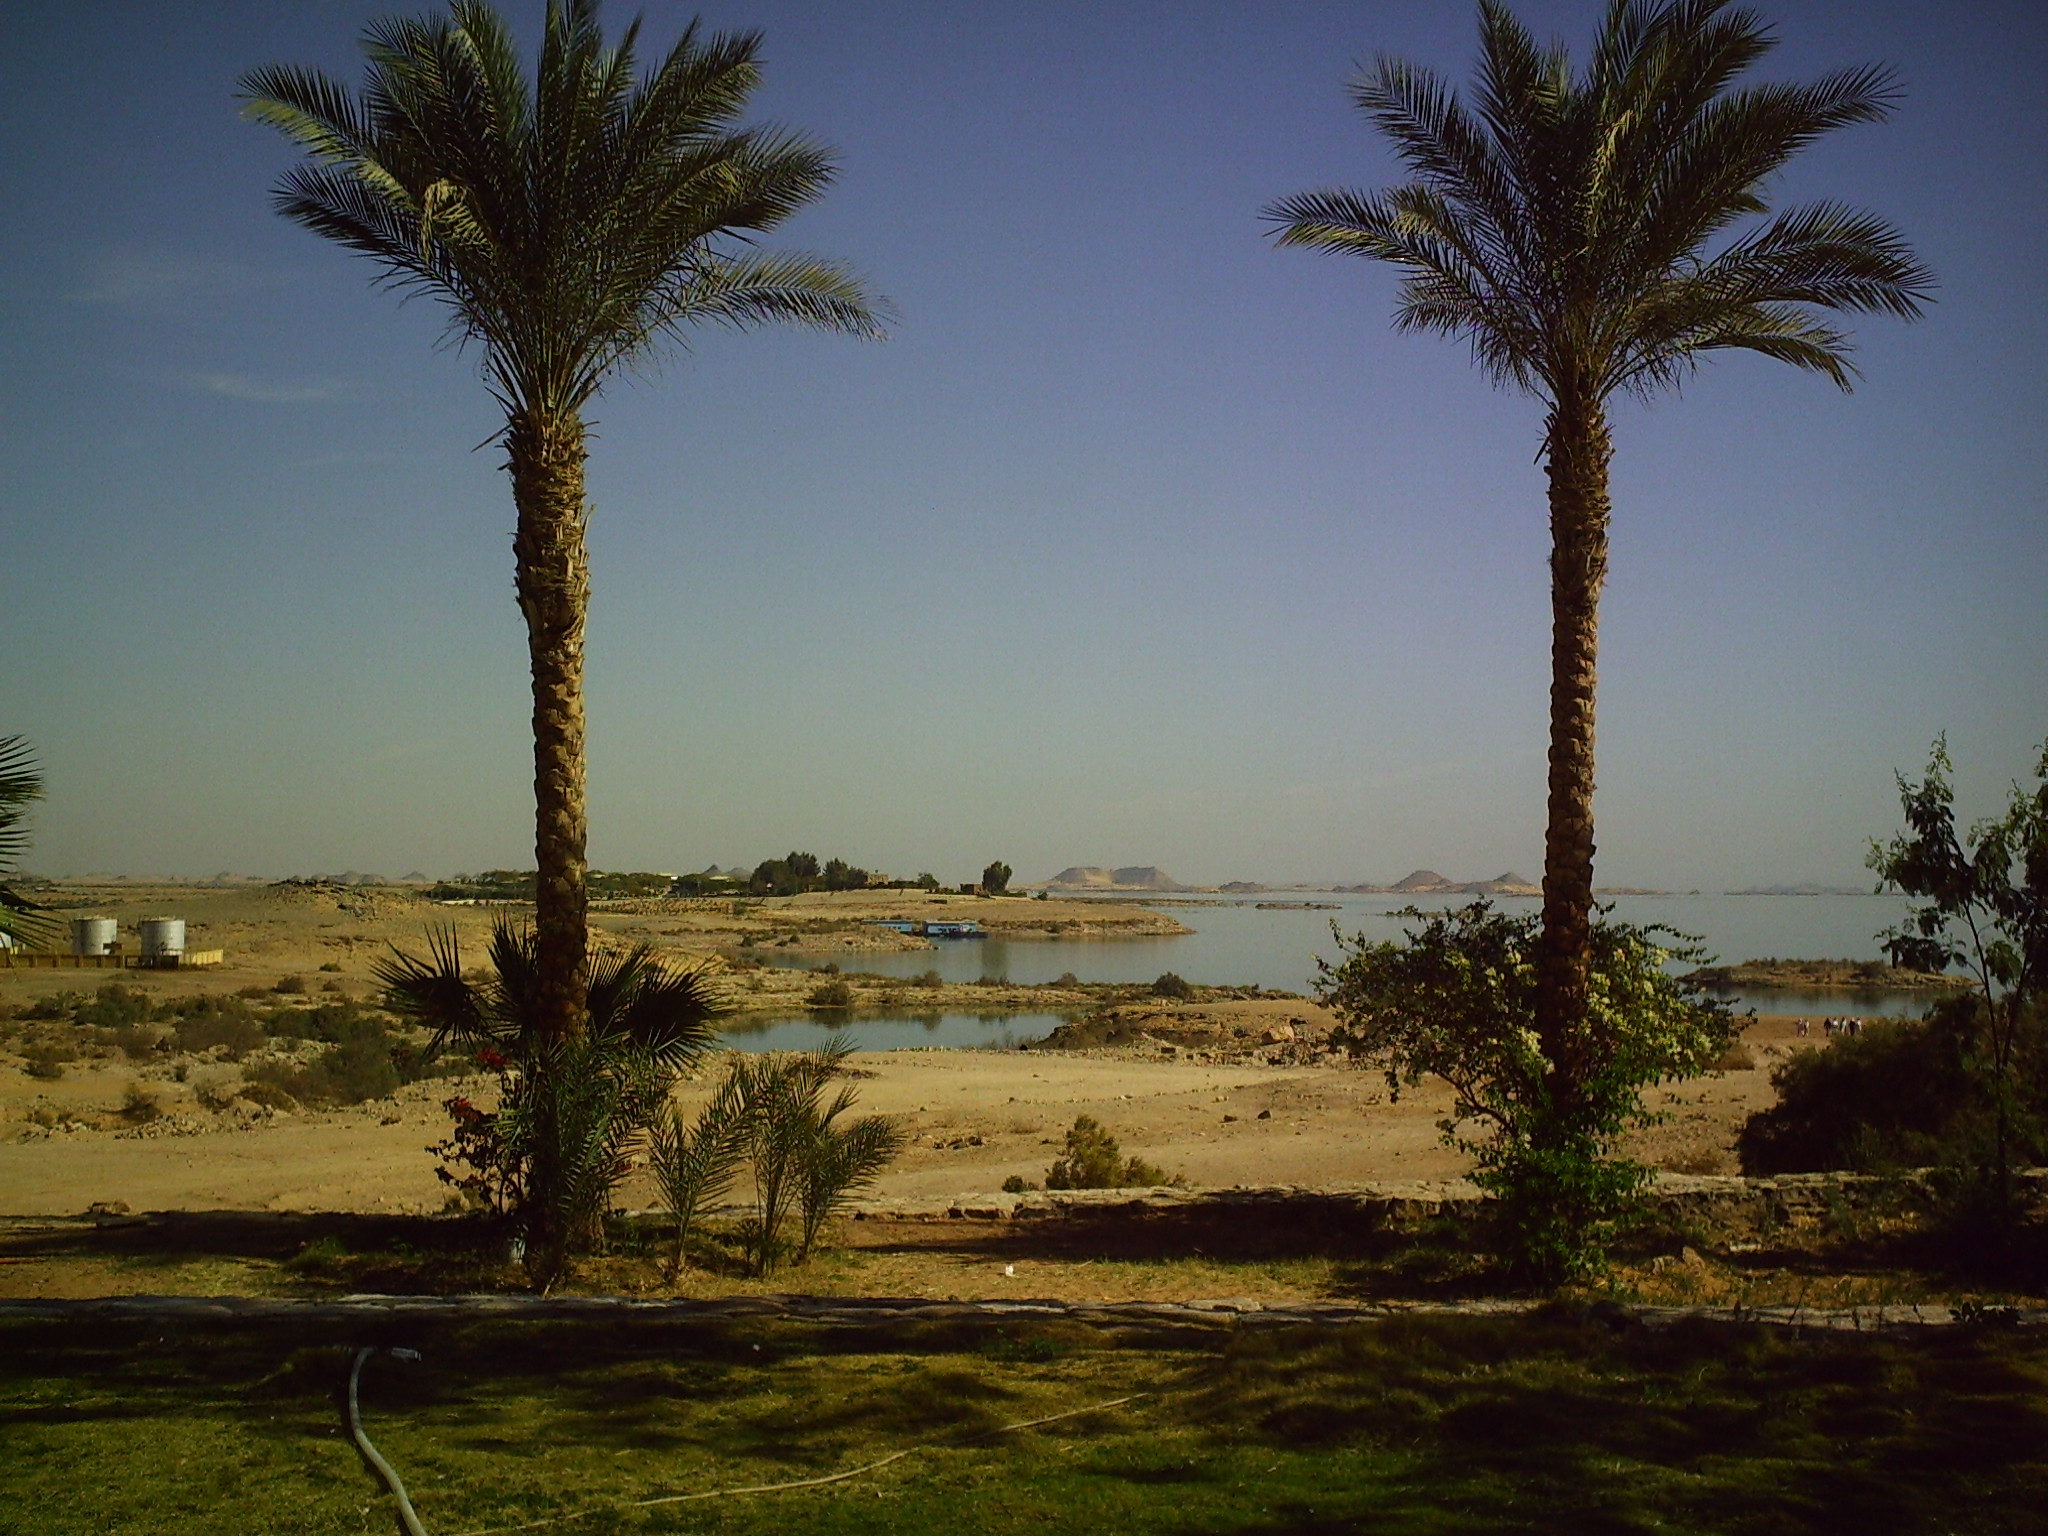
pixel 1236 943
pixel 898 1032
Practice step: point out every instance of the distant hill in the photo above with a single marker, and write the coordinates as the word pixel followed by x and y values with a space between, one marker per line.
pixel 1422 880
pixel 1427 882
pixel 1132 877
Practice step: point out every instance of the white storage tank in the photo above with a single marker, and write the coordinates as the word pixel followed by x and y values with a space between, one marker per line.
pixel 163 938
pixel 94 935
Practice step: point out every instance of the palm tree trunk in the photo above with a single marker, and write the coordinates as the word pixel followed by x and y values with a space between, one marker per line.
pixel 553 582
pixel 1579 450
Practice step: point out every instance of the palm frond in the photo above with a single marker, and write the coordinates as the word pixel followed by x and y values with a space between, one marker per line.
pixel 570 217
pixel 21 785
pixel 432 992
pixel 1566 227
pixel 694 1165
pixel 23 921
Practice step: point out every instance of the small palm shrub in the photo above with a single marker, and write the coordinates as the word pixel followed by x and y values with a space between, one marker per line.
pixel 569 1108
pixel 774 1113
pixel 694 1165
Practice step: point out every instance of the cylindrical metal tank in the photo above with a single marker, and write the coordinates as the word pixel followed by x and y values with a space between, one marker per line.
pixel 163 938
pixel 94 935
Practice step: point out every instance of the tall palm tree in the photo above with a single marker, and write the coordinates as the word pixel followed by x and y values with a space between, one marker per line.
pixel 1579 231
pixel 569 224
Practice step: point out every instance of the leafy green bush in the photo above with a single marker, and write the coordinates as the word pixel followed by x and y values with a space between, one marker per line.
pixel 1900 1094
pixel 1983 898
pixel 1092 1160
pixel 830 994
pixel 1170 985
pixel 1457 1000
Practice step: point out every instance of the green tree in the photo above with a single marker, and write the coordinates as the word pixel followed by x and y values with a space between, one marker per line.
pixel 842 876
pixel 996 878
pixel 570 222
pixel 1579 232
pixel 1458 1000
pixel 21 920
pixel 1984 906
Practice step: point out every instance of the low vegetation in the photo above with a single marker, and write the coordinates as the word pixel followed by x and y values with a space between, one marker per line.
pixel 1569 1420
pixel 780 1116
pixel 1899 1094
pixel 286 1050
pixel 1091 1159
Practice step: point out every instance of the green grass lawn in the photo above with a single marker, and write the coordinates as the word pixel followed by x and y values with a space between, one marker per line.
pixel 1569 1421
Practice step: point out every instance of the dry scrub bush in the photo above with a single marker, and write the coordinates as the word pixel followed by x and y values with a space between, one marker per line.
pixel 1092 1160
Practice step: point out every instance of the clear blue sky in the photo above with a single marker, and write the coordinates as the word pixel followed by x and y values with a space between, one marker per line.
pixel 1140 542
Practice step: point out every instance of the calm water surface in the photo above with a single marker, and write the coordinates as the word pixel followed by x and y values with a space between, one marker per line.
pixel 1235 943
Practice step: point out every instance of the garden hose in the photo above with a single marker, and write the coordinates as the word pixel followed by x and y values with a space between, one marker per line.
pixel 383 1468
pixel 411 1518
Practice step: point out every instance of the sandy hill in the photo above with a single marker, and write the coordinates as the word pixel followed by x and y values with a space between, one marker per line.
pixel 1421 880
pixel 1427 882
pixel 1132 877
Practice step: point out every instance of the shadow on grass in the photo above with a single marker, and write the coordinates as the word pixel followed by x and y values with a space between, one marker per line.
pixel 1565 1420
pixel 1602 1425
pixel 317 1251
pixel 1436 1260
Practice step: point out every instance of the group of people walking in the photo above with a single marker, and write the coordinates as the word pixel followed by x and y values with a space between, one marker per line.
pixel 1842 1026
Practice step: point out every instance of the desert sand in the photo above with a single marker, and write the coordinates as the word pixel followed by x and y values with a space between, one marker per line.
pixel 1236 1090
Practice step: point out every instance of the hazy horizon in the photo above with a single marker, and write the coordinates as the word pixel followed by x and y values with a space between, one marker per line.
pixel 1018 881
pixel 1139 541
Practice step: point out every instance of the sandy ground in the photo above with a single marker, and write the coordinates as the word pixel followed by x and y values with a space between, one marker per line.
pixel 1223 1092
pixel 976 1117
